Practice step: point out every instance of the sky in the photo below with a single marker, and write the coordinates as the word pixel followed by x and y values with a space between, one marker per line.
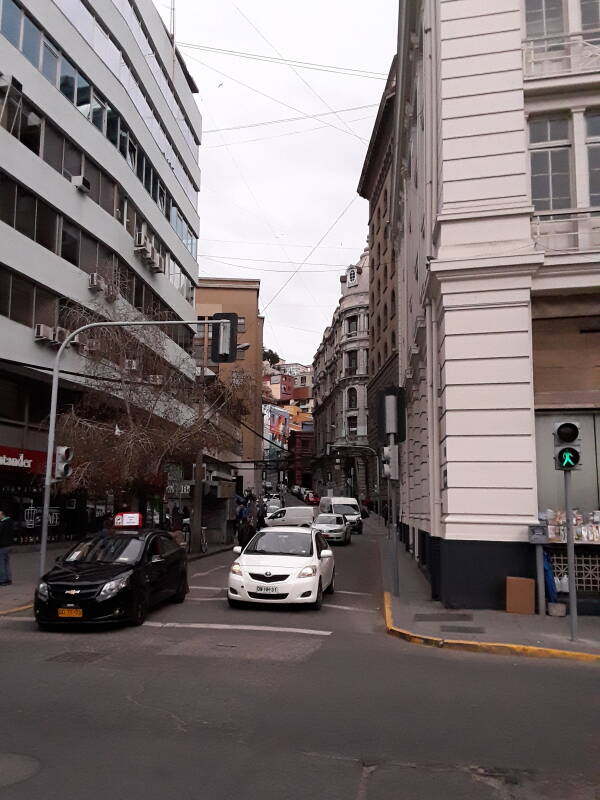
pixel 270 193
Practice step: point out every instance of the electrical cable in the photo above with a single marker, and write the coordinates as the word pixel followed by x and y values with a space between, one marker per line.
pixel 271 271
pixel 276 244
pixel 288 119
pixel 269 260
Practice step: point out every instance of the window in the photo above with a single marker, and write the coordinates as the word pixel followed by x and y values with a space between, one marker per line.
pixel 49 62
pixel 11 22
pixel 68 76
pixel 92 173
pixel 69 248
pixel 352 423
pixel 53 147
pixel 8 194
pixel 46 227
pixel 45 307
pixel 32 38
pixel 72 160
pixel 550 153
pixel 352 398
pixel 352 324
pixel 98 112
pixel 4 295
pixel 544 17
pixel 31 129
pixel 351 362
pixel 25 213
pixel 84 95
pixel 112 126
pixel 590 20
pixel 21 301
pixel 107 194
pixel 88 253
pixel 593 145
pixel 352 277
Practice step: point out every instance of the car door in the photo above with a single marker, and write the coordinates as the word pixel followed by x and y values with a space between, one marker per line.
pixel 276 518
pixel 171 552
pixel 156 570
pixel 325 564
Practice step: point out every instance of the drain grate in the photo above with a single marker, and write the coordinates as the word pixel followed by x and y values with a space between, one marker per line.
pixel 461 629
pixel 443 617
pixel 74 657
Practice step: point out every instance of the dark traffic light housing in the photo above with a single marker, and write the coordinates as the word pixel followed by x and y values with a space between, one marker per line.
pixel 567 445
pixel 224 338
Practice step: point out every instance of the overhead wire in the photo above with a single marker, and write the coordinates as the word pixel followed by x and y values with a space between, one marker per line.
pixel 268 260
pixel 288 119
pixel 271 271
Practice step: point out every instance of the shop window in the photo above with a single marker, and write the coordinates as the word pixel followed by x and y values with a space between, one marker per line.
pixel 4 292
pixel 31 129
pixel 11 22
pixel 88 258
pixel 68 78
pixel 92 173
pixel 21 301
pixel 45 307
pixel 8 193
pixel 72 163
pixel 32 39
pixel 49 62
pixel 46 226
pixel 84 95
pixel 107 193
pixel 53 147
pixel 25 212
pixel 70 239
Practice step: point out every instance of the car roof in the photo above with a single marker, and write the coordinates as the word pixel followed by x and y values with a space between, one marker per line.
pixel 143 533
pixel 286 529
pixel 341 499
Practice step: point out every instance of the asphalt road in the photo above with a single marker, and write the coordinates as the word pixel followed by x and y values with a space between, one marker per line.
pixel 305 704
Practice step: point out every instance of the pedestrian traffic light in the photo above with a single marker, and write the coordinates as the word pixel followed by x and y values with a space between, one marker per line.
pixel 62 466
pixel 224 338
pixel 567 445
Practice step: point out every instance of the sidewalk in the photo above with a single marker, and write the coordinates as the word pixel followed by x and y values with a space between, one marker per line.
pixel 415 617
pixel 25 566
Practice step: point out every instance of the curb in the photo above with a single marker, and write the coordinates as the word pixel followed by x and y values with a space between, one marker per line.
pixel 495 648
pixel 14 610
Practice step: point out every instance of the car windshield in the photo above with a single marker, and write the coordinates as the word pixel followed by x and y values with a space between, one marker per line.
pixel 345 508
pixel 277 543
pixel 329 519
pixel 273 506
pixel 107 550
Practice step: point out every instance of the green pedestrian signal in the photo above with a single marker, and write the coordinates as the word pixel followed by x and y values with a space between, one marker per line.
pixel 567 445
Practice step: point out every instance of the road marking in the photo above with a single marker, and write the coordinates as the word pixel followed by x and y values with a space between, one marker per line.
pixel 208 571
pixel 350 608
pixel 16 608
pixel 222 627
pixel 205 599
pixel 213 588
pixel 21 619
pixel 359 594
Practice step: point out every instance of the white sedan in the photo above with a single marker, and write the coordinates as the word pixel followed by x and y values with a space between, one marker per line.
pixel 334 528
pixel 282 565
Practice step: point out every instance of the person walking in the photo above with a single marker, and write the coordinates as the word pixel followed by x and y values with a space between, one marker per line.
pixel 6 542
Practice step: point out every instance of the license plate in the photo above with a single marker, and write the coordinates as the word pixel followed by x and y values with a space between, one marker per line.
pixel 70 612
pixel 268 589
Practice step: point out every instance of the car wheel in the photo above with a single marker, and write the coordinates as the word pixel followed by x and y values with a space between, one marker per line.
pixel 331 588
pixel 234 603
pixel 139 611
pixel 182 590
pixel 319 601
pixel 347 539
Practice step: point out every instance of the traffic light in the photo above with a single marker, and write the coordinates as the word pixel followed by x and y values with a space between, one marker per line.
pixel 63 467
pixel 567 445
pixel 224 338
pixel 386 457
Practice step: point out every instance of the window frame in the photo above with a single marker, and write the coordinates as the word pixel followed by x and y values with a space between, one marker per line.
pixel 549 146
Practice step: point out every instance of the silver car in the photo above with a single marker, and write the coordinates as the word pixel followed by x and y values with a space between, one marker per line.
pixel 333 527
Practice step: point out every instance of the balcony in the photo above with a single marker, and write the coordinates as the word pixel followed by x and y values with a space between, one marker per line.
pixel 563 55
pixel 567 231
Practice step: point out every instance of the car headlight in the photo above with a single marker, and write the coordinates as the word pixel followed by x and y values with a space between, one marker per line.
pixel 307 572
pixel 42 590
pixel 112 587
pixel 235 568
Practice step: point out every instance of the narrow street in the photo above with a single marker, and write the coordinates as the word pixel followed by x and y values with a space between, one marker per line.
pixel 205 701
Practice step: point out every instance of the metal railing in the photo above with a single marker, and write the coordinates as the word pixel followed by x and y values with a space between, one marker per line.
pixel 565 54
pixel 568 229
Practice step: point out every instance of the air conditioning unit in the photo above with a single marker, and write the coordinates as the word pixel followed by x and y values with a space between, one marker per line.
pixel 96 282
pixel 148 253
pixel 139 242
pixel 81 183
pixel 158 263
pixel 59 335
pixel 131 364
pixel 155 380
pixel 43 333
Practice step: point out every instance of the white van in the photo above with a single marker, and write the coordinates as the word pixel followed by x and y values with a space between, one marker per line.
pixel 292 515
pixel 347 506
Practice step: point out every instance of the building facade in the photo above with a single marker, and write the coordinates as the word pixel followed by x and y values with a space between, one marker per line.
pixel 99 176
pixel 496 188
pixel 301 456
pixel 216 295
pixel 343 457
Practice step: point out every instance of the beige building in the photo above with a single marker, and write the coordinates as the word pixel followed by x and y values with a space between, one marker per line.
pixel 240 296
pixel 495 203
pixel 344 462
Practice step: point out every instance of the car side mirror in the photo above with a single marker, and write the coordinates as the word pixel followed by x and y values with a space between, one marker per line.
pixel 326 553
pixel 237 549
pixel 156 559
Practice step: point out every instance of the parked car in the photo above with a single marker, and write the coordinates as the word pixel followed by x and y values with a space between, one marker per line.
pixel 295 490
pixel 334 527
pixel 291 515
pixel 347 506
pixel 282 565
pixel 115 578
pixel 303 493
pixel 312 499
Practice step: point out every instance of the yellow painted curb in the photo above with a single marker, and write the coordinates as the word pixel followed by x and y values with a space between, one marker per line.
pixel 17 608
pixel 497 648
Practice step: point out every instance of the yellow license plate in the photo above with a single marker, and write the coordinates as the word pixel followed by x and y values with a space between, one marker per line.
pixel 70 612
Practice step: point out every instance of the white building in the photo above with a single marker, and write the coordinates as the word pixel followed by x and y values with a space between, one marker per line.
pixel 495 211
pixel 99 135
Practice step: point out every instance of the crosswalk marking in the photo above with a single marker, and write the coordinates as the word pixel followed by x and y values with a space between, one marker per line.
pixel 222 627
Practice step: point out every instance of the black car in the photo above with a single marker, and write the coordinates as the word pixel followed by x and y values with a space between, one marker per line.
pixel 112 578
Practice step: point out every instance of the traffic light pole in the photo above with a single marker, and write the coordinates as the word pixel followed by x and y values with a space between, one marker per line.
pixel 571 557
pixel 54 403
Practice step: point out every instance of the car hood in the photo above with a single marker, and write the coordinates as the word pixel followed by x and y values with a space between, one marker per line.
pixel 85 573
pixel 284 562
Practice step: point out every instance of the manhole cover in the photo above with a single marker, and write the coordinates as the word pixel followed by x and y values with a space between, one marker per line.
pixel 75 658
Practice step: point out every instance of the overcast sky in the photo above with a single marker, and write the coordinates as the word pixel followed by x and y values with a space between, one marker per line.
pixel 270 192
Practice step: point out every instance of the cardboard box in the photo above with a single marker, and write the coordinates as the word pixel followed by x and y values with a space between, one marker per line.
pixel 520 595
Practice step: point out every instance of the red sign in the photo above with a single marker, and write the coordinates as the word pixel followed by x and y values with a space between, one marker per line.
pixel 23 460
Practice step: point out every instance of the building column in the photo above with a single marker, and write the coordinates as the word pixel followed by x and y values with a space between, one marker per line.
pixel 580 159
pixel 573 20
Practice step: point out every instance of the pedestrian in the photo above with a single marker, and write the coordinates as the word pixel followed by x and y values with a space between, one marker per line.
pixel 6 542
pixel 261 516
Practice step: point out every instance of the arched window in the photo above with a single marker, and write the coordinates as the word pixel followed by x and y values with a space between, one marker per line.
pixel 351 277
pixel 352 398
